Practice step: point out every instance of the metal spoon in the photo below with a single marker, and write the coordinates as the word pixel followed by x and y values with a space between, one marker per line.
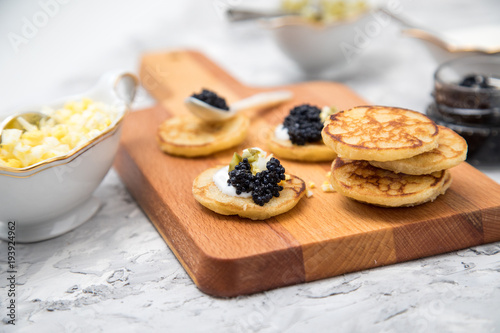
pixel 235 14
pixel 208 112
pixel 13 122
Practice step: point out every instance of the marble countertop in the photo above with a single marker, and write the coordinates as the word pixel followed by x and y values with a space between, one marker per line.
pixel 116 274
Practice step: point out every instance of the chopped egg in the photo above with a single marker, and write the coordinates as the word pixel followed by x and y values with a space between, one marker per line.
pixel 326 11
pixel 327 111
pixel 309 193
pixel 327 187
pixel 311 185
pixel 69 127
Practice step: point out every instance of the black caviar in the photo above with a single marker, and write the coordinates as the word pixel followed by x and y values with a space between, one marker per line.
pixel 241 177
pixel 211 98
pixel 304 124
pixel 264 185
pixel 476 81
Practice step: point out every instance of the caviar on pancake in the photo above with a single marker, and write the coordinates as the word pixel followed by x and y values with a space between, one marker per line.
pixel 263 185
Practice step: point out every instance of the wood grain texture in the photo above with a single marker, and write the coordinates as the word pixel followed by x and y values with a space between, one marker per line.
pixel 323 236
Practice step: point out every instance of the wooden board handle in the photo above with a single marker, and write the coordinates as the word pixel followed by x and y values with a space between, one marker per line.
pixel 165 76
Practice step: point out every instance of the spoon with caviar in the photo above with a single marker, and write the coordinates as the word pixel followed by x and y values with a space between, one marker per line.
pixel 22 121
pixel 209 106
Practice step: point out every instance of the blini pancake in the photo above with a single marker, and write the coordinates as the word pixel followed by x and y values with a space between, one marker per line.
pixel 379 133
pixel 189 136
pixel 208 194
pixel 310 152
pixel 361 181
pixel 451 151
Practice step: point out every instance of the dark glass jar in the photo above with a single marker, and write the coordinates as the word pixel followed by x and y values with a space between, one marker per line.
pixel 467 100
pixel 450 90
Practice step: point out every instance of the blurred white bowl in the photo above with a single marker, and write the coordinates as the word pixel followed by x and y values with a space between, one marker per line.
pixel 54 196
pixel 456 43
pixel 317 47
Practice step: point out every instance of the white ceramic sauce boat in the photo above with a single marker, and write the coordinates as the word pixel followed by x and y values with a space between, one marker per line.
pixel 54 196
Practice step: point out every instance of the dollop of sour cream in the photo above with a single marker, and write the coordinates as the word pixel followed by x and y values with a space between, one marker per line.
pixel 220 179
pixel 281 132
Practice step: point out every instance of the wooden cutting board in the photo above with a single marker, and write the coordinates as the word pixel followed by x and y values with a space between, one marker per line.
pixel 323 236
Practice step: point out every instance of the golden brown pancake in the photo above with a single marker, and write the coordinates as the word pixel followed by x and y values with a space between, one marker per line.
pixel 208 194
pixel 311 152
pixel 361 181
pixel 189 136
pixel 379 133
pixel 451 151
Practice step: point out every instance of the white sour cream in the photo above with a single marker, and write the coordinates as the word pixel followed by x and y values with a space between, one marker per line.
pixel 220 179
pixel 281 132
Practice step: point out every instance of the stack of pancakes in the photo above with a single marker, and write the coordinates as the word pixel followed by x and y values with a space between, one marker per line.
pixel 391 156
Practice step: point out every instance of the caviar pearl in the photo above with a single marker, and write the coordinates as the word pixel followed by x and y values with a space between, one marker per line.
pixel 304 124
pixel 212 99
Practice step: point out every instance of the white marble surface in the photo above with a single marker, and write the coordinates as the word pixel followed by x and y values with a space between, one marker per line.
pixel 116 274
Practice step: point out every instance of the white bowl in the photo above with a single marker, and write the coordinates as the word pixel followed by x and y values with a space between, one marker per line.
pixel 321 47
pixel 457 43
pixel 54 196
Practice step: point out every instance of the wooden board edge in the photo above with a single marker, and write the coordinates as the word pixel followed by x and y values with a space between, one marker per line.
pixel 491 224
pixel 424 239
pixel 349 254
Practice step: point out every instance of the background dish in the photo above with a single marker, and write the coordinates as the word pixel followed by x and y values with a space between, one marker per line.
pixel 52 197
pixel 317 47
